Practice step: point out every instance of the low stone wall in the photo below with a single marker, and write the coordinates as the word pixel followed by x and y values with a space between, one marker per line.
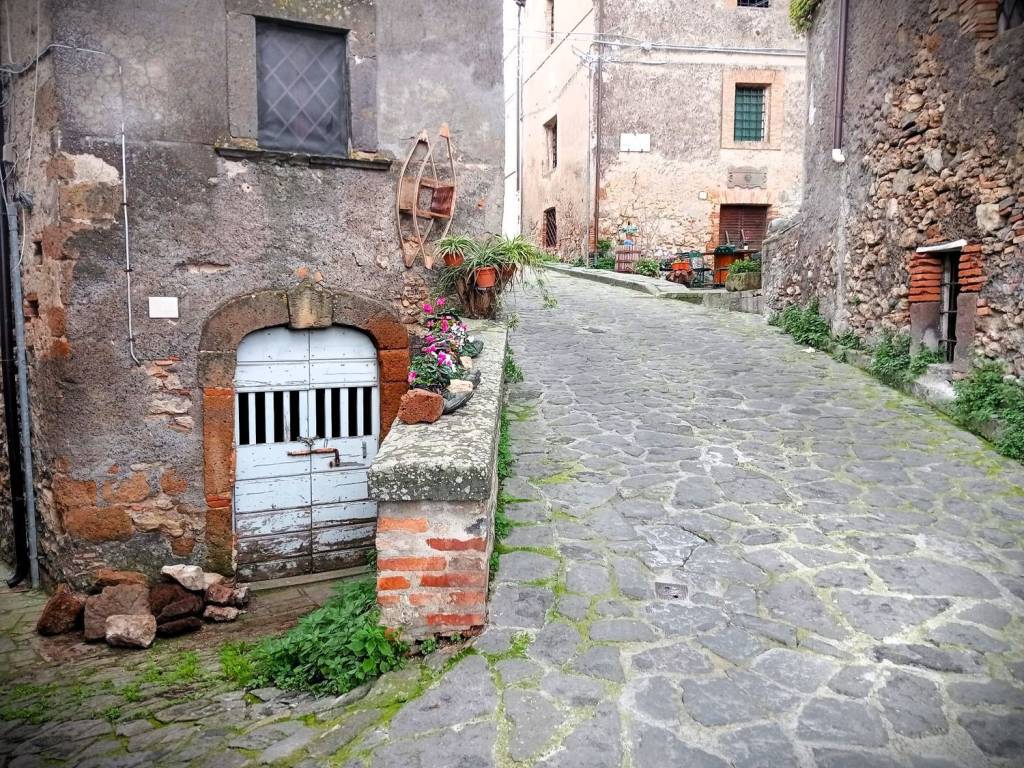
pixel 436 487
pixel 784 277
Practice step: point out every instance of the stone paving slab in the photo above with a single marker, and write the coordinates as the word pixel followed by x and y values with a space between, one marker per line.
pixel 728 552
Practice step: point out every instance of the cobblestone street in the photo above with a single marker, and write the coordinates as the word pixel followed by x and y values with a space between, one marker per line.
pixel 727 551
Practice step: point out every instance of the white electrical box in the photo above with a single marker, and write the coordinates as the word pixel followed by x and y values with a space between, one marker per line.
pixel 163 307
pixel 634 142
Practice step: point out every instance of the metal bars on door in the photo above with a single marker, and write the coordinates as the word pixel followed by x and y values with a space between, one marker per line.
pixel 276 416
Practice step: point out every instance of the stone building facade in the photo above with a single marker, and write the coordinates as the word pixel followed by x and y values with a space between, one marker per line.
pixel 135 462
pixel 629 120
pixel 921 229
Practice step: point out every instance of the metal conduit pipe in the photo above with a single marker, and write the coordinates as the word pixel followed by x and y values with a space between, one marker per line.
pixel 22 567
pixel 837 125
pixel 24 413
pixel 127 248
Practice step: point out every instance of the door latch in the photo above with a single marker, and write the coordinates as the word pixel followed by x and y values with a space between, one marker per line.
pixel 335 462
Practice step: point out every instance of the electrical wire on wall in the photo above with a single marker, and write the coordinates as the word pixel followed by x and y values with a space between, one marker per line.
pixel 11 70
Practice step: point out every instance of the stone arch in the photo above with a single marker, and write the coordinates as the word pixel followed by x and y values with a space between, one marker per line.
pixel 306 305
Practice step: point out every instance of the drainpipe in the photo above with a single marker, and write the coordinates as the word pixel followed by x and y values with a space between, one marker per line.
pixel 24 431
pixel 597 129
pixel 837 126
pixel 22 567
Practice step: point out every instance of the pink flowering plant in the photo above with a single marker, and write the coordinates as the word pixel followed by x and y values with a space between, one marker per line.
pixel 445 329
pixel 438 361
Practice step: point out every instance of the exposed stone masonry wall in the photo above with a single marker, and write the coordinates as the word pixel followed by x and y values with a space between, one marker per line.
pixel 934 153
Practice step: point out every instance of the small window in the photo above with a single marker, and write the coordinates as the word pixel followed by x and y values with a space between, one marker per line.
pixel 950 293
pixel 549 21
pixel 550 228
pixel 302 89
pixel 551 138
pixel 754 3
pixel 1011 14
pixel 749 115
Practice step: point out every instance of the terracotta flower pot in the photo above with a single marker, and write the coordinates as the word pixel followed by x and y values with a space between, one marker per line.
pixel 508 272
pixel 485 277
pixel 678 266
pixel 453 259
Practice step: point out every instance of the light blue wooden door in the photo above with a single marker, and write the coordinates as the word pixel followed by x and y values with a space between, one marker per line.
pixel 307 426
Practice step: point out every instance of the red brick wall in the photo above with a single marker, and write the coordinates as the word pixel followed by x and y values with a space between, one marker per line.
pixel 432 566
pixel 926 274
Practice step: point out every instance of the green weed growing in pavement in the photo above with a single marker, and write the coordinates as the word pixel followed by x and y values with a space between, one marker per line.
pixel 111 714
pixel 805 325
pixel 849 340
pixel 986 395
pixel 893 364
pixel 132 693
pixel 502 525
pixel 334 649
pixel 428 646
pixel 183 668
pixel 236 664
pixel 512 372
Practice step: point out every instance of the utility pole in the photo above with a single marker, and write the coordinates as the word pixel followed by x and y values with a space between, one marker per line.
pixel 519 108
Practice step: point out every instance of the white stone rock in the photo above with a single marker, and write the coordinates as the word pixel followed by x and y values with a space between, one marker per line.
pixel 460 386
pixel 220 613
pixel 209 579
pixel 189 576
pixel 131 631
pixel 988 217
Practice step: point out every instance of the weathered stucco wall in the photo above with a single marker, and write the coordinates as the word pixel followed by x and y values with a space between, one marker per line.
pixel 934 121
pixel 672 94
pixel 119 447
pixel 557 83
pixel 676 96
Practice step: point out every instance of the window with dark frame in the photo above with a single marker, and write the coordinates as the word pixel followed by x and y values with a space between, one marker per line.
pixel 754 3
pixel 749 113
pixel 550 228
pixel 1011 14
pixel 549 20
pixel 950 293
pixel 551 138
pixel 302 89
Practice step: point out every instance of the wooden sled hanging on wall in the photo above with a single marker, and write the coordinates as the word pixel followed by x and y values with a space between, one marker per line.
pixel 425 199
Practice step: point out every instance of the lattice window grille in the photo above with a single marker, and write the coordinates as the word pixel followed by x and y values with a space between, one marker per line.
pixel 749 114
pixel 302 89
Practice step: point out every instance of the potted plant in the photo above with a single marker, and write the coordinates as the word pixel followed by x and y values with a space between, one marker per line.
pixel 453 249
pixel 744 275
pixel 516 254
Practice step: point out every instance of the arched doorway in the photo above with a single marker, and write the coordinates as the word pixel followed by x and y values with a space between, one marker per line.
pixel 307 426
pixel 305 308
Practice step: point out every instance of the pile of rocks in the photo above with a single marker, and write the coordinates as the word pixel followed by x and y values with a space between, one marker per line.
pixel 127 611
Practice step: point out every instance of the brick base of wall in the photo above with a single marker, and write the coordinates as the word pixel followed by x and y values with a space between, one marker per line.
pixel 433 565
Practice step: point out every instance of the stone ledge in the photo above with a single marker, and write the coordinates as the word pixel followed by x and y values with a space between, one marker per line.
pixel 452 459
pixel 370 163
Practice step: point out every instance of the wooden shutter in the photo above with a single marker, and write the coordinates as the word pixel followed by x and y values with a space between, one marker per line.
pixel 739 223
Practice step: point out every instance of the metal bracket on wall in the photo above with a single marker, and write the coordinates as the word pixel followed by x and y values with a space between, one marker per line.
pixel 425 198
